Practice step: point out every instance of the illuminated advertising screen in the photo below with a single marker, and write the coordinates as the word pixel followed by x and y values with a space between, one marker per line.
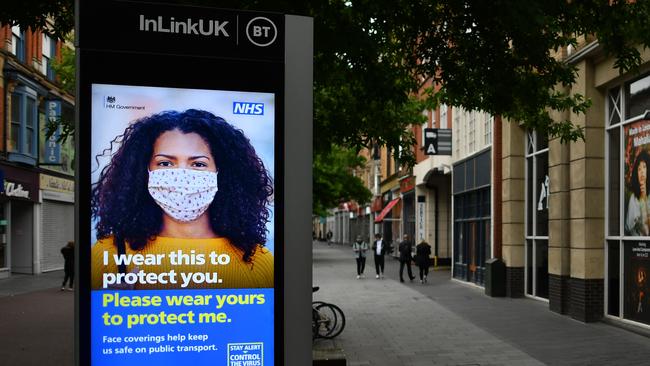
pixel 180 186
pixel 182 226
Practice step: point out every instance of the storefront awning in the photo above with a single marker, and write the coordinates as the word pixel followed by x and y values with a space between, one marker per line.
pixel 386 210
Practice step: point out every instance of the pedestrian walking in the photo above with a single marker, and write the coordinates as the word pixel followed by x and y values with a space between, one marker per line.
pixel 405 247
pixel 360 247
pixel 379 249
pixel 422 253
pixel 329 237
pixel 68 267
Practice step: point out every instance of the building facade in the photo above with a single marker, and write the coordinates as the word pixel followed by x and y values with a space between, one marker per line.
pixel 575 224
pixel 37 201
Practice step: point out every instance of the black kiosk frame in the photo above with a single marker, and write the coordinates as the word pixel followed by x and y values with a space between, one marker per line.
pixel 143 44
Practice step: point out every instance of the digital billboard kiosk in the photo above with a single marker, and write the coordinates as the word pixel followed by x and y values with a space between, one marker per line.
pixel 188 119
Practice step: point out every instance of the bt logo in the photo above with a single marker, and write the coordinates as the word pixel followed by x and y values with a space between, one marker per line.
pixel 248 108
pixel 261 31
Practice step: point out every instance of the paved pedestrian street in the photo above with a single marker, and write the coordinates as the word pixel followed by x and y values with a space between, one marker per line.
pixel 445 322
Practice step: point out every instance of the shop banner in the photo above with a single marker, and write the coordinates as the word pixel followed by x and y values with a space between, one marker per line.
pixel 637 268
pixel 637 178
pixel 182 258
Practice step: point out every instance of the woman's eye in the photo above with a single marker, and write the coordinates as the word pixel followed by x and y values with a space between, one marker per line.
pixel 164 163
pixel 199 164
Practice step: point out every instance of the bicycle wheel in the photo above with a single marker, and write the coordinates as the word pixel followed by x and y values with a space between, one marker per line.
pixel 332 320
pixel 314 323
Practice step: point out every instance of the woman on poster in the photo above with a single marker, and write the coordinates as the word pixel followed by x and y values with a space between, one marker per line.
pixel 160 196
pixel 636 218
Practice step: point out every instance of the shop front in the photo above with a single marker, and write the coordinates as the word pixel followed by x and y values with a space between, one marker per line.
pixel 628 206
pixel 407 192
pixel 57 219
pixel 472 205
pixel 18 216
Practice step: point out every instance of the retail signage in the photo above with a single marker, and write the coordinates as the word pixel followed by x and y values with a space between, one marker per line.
pixel 180 166
pixel 13 189
pixel 52 183
pixel 19 183
pixel 52 147
pixel 437 141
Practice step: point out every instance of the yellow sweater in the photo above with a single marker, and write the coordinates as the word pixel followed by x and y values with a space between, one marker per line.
pixel 235 274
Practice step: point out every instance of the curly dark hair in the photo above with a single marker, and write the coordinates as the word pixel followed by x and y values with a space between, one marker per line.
pixel 240 210
pixel 634 183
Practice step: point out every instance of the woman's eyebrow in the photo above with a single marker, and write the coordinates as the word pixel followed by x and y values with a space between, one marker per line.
pixel 165 156
pixel 199 157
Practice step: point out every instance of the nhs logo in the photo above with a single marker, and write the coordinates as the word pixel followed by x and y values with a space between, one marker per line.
pixel 248 108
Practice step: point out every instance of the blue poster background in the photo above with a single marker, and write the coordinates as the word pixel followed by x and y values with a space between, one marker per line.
pixel 245 339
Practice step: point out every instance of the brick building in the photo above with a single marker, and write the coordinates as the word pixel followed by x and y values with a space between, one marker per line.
pixel 37 201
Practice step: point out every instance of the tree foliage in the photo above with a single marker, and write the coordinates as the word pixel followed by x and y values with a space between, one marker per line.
pixel 372 57
pixel 333 181
pixel 34 14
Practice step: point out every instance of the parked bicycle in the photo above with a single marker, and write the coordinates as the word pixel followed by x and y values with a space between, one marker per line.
pixel 327 320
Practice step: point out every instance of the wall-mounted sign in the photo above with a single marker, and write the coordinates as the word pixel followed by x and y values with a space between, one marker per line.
pixel 52 183
pixel 12 189
pixel 18 183
pixel 437 141
pixel 421 218
pixel 52 147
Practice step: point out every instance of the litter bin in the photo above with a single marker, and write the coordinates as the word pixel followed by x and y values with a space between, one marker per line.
pixel 495 277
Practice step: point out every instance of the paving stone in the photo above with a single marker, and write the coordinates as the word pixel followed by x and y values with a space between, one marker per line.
pixel 446 322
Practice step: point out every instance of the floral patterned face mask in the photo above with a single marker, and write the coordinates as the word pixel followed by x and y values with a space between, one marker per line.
pixel 184 194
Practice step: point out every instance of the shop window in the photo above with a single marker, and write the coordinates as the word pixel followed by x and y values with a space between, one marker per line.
pixel 537 205
pixel 637 97
pixel 613 179
pixel 614 106
pixel 18 43
pixel 613 277
pixel 636 265
pixel 628 212
pixel 471 234
pixel 23 126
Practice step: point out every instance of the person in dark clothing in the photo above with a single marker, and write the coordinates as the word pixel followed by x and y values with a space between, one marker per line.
pixel 68 267
pixel 405 258
pixel 422 253
pixel 379 249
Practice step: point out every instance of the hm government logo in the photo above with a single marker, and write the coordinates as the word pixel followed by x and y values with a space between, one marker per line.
pixel 110 102
pixel 246 354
